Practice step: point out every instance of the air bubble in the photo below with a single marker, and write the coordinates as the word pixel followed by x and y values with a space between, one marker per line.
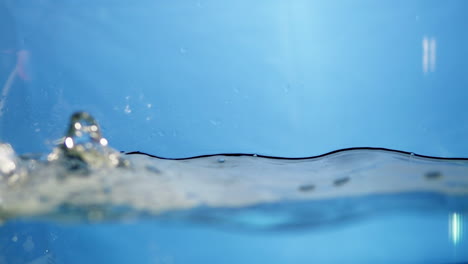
pixel 221 160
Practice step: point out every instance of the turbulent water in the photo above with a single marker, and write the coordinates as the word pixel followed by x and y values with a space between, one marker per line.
pixel 84 180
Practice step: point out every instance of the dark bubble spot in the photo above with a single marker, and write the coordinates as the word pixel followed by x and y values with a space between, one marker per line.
pixel 433 175
pixel 306 188
pixel 341 181
pixel 152 169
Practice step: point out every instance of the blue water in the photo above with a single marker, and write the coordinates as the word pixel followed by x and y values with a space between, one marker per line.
pixel 280 78
pixel 396 233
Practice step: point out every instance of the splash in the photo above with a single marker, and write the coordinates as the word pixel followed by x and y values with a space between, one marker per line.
pixel 84 178
pixel 84 146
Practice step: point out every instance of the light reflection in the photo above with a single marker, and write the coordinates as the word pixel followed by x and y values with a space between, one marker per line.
pixel 69 142
pixel 455 227
pixel 77 126
pixel 429 54
pixel 103 142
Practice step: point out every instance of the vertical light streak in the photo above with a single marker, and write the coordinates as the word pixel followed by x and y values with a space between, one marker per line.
pixel 429 47
pixel 425 55
pixel 455 228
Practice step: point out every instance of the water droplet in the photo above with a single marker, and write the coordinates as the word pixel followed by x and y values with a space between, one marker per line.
pixel 221 160
pixel 255 155
pixel 127 109
pixel 215 122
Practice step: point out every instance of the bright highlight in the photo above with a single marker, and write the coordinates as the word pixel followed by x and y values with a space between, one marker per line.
pixel 455 227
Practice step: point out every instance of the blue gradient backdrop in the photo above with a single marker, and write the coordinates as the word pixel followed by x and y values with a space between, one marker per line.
pixel 282 78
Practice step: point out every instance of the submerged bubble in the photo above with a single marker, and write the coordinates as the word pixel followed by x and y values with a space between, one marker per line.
pixel 341 181
pixel 433 175
pixel 152 169
pixel 306 187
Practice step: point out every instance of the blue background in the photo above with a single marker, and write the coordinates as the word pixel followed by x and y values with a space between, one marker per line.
pixel 282 78
pixel 285 78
